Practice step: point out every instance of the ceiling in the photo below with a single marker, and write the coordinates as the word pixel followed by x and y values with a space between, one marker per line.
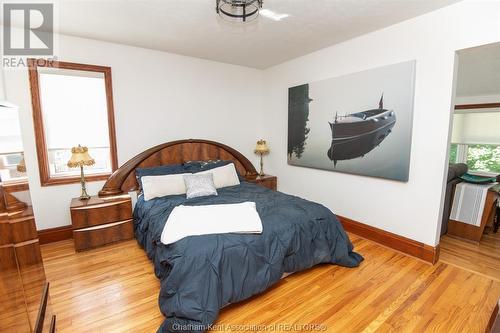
pixel 478 71
pixel 192 28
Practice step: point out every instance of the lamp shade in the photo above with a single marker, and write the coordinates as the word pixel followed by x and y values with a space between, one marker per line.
pixel 80 157
pixel 261 147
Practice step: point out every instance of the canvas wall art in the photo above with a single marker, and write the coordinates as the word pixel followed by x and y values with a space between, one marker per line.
pixel 359 123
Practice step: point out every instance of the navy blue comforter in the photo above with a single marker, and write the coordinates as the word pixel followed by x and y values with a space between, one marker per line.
pixel 201 274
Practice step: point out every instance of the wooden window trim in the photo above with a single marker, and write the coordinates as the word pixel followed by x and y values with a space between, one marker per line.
pixel 41 146
pixel 477 106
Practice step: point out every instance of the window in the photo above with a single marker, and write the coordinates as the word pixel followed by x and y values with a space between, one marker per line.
pixel 476 140
pixel 484 158
pixel 480 158
pixel 453 153
pixel 72 105
pixel 11 145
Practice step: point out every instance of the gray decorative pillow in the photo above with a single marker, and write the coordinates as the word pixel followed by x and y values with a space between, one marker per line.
pixel 199 185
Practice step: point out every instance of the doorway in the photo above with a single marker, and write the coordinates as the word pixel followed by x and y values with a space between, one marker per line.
pixel 469 232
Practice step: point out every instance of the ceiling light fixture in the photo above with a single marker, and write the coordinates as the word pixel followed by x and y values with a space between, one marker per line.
pixel 238 10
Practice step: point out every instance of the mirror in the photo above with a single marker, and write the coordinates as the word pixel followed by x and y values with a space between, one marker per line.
pixel 22 275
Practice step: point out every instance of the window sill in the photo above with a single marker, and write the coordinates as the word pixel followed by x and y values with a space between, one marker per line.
pixel 73 179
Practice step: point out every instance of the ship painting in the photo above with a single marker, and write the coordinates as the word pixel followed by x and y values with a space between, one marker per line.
pixel 359 123
pixel 356 134
pixel 356 125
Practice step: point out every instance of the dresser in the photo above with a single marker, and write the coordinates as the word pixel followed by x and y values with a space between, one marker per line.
pixel 24 290
pixel 100 221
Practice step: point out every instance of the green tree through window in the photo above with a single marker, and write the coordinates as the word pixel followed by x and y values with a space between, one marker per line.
pixel 483 158
pixel 453 153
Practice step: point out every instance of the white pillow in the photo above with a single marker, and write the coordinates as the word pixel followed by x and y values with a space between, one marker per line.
pixel 160 186
pixel 224 176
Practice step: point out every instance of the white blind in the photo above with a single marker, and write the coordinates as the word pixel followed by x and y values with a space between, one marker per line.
pixel 476 128
pixel 10 131
pixel 74 109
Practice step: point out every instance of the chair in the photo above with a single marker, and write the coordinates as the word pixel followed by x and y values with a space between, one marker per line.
pixel 454 173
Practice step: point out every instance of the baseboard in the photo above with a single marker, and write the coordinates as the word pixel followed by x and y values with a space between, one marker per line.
pixel 408 246
pixel 55 234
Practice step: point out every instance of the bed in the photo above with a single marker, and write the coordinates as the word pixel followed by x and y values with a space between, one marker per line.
pixel 202 274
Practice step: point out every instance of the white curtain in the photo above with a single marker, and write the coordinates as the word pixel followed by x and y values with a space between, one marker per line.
pixel 10 130
pixel 74 109
pixel 476 127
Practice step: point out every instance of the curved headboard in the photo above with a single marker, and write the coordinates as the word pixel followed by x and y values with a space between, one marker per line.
pixel 123 179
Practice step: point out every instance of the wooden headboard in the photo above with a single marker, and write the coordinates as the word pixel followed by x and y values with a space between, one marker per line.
pixel 123 180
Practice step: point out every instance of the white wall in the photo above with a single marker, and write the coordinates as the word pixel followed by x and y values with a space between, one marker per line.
pixel 409 209
pixel 158 97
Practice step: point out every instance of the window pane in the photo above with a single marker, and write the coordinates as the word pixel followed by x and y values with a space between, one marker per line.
pixel 453 153
pixel 75 112
pixel 10 131
pixel 474 127
pixel 484 158
pixel 59 158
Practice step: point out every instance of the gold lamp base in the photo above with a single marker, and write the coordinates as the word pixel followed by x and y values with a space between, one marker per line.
pixel 261 173
pixel 80 157
pixel 84 195
pixel 261 149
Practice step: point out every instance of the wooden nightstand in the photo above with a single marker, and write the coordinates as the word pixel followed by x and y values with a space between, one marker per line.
pixel 100 221
pixel 268 181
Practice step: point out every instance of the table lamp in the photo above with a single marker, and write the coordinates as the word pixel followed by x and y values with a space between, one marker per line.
pixel 261 149
pixel 21 166
pixel 80 157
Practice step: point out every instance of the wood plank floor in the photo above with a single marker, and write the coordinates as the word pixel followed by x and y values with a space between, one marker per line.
pixel 482 258
pixel 113 289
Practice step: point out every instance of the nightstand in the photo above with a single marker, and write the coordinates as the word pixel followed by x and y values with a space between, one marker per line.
pixel 101 221
pixel 271 182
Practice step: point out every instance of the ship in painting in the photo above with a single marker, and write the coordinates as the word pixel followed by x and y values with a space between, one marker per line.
pixel 366 123
pixel 357 134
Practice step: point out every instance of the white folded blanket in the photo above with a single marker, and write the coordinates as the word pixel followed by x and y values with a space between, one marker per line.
pixel 468 203
pixel 187 221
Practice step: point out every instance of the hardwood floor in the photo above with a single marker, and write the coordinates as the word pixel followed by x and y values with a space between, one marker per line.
pixel 482 258
pixel 110 289
pixel 113 289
